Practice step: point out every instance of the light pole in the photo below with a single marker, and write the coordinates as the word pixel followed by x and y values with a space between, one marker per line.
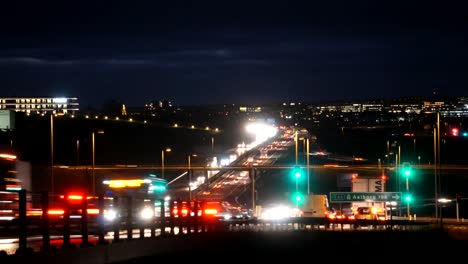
pixel 408 202
pixel 295 141
pixel 162 160
pixel 77 152
pixel 190 175
pixel 212 145
pixel 94 158
pixel 52 152
pixel 308 168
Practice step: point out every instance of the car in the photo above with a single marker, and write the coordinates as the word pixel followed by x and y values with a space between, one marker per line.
pixel 365 213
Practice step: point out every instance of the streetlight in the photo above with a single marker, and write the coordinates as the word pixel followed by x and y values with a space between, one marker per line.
pixel 295 140
pixel 308 168
pixel 94 158
pixel 52 151
pixel 190 175
pixel 442 202
pixel 212 145
pixel 162 160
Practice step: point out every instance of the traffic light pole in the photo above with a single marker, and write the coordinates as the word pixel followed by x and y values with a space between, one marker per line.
pixel 308 168
pixel 252 171
pixel 408 202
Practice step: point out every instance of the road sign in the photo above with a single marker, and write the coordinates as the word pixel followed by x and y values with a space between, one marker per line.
pixel 365 196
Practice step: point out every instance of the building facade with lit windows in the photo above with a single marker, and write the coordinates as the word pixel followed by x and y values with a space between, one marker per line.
pixel 39 105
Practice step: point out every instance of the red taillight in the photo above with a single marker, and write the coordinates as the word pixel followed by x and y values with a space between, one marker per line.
pixel 210 211
pixel 33 212
pixel 75 197
pixel 93 211
pixel 55 212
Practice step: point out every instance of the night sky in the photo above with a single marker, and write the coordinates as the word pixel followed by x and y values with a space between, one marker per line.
pixel 200 52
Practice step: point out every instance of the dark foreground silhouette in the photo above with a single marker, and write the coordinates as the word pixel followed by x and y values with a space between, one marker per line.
pixel 353 247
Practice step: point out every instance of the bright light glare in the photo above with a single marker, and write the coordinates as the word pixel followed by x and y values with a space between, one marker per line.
pixel 444 200
pixel 262 131
pixel 7 156
pixel 278 212
pixel 110 215
pixel 60 100
pixel 146 213
pixel 225 162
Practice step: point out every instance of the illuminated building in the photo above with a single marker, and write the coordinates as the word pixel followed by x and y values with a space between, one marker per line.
pixel 65 105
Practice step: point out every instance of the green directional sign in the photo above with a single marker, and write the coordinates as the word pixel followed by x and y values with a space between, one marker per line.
pixel 365 196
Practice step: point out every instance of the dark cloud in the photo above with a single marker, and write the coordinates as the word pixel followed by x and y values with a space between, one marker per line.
pixel 228 52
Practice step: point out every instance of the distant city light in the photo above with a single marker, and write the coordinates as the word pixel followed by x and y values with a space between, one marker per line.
pixel 60 100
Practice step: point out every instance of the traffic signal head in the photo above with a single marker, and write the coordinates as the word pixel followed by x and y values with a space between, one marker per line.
pixel 408 198
pixel 383 177
pixel 297 172
pixel 406 170
pixel 298 198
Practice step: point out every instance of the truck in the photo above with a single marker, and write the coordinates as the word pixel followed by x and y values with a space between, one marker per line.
pixel 315 205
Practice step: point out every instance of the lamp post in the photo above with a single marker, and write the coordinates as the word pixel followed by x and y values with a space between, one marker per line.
pixel 442 202
pixel 162 160
pixel 212 145
pixel 52 152
pixel 190 175
pixel 77 152
pixel 308 167
pixel 295 141
pixel 408 202
pixel 94 158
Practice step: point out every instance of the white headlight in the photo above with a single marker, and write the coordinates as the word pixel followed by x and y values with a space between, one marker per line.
pixel 146 213
pixel 110 215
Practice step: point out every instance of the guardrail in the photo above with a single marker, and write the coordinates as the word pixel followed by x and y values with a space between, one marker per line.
pixel 171 218
pixel 75 218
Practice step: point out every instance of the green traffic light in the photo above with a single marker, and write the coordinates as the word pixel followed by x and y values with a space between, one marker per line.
pixel 408 198
pixel 465 134
pixel 407 172
pixel 297 173
pixel 298 198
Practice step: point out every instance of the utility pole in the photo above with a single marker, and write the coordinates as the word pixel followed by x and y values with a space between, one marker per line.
pixel 52 152
pixel 308 168
pixel 435 176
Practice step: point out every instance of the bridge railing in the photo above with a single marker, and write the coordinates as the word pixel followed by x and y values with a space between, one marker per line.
pixel 127 218
pixel 65 216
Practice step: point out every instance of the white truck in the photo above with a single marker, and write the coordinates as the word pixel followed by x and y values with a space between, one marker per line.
pixel 315 205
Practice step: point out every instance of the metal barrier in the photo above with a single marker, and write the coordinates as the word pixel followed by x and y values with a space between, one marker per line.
pixel 169 218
